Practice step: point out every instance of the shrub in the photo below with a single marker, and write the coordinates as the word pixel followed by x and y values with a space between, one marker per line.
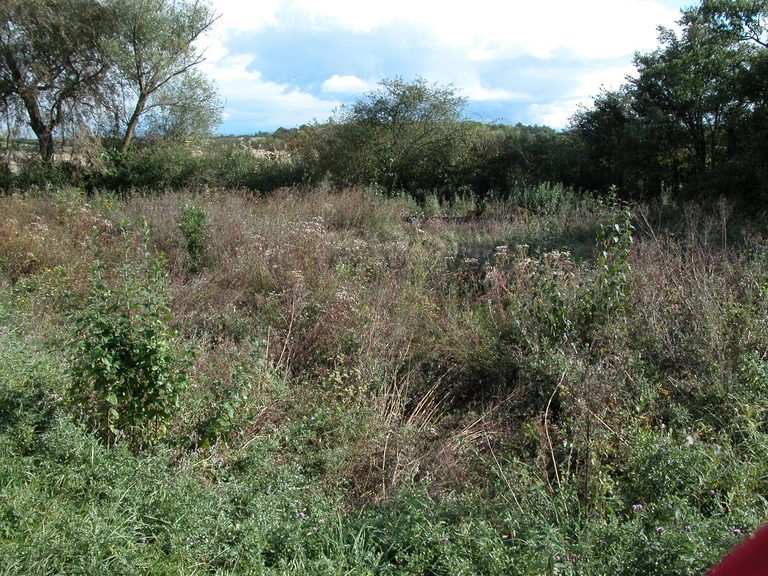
pixel 126 374
pixel 236 166
pixel 194 225
pixel 154 167
pixel 34 173
pixel 543 198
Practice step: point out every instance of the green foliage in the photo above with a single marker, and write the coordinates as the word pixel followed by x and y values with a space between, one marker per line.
pixel 187 108
pixel 54 59
pixel 162 166
pixel 379 394
pixel 551 278
pixel 688 121
pixel 506 160
pixel 612 151
pixel 194 226
pixel 614 242
pixel 240 402
pixel 37 174
pixel 154 56
pixel 126 371
pixel 404 136
pixel 542 198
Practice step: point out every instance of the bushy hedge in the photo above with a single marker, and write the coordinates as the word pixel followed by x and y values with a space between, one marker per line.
pixel 159 166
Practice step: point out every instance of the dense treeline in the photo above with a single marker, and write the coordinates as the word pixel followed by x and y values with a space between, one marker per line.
pixel 690 123
pixel 693 119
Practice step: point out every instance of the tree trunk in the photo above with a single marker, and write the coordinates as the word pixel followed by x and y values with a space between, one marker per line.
pixel 133 122
pixel 42 130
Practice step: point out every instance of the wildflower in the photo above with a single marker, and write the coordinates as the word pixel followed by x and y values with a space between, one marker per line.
pixel 737 531
pixel 446 539
pixel 637 506
pixel 711 492
pixel 660 529
pixel 321 521
pixel 301 514
pixel 688 528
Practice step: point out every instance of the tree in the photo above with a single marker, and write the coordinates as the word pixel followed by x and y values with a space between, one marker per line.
pixel 155 62
pixel 417 130
pixel 687 87
pixel 188 106
pixel 52 60
pixel 692 118
pixel 745 24
pixel 506 158
pixel 744 20
pixel 617 150
pixel 405 135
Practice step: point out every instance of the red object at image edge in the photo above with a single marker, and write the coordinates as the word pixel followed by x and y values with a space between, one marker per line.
pixel 750 558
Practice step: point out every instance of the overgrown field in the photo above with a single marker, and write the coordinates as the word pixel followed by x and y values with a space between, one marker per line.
pixel 342 382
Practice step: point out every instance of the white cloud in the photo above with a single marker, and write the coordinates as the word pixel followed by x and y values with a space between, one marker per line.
pixel 478 93
pixel 590 28
pixel 236 15
pixel 461 42
pixel 590 85
pixel 554 115
pixel 346 85
pixel 253 103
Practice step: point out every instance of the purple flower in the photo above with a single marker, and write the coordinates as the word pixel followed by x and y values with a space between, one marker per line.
pixel 688 528
pixel 637 506
pixel 737 531
pixel 711 492
pixel 446 539
pixel 321 521
pixel 660 529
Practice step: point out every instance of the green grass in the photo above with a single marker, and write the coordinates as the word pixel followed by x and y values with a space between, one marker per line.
pixel 372 392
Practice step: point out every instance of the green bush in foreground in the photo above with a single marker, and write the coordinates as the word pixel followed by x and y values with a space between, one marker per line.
pixel 126 374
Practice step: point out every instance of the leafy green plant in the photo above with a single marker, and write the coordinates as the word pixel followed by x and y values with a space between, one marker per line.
pixel 543 198
pixel 126 372
pixel 613 243
pixel 607 293
pixel 194 225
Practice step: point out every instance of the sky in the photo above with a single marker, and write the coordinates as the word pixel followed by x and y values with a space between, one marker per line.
pixel 292 62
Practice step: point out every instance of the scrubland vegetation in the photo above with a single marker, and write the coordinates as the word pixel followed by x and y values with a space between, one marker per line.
pixel 396 342
pixel 574 387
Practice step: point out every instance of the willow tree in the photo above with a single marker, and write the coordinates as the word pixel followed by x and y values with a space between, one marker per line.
pixel 155 60
pixel 52 60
